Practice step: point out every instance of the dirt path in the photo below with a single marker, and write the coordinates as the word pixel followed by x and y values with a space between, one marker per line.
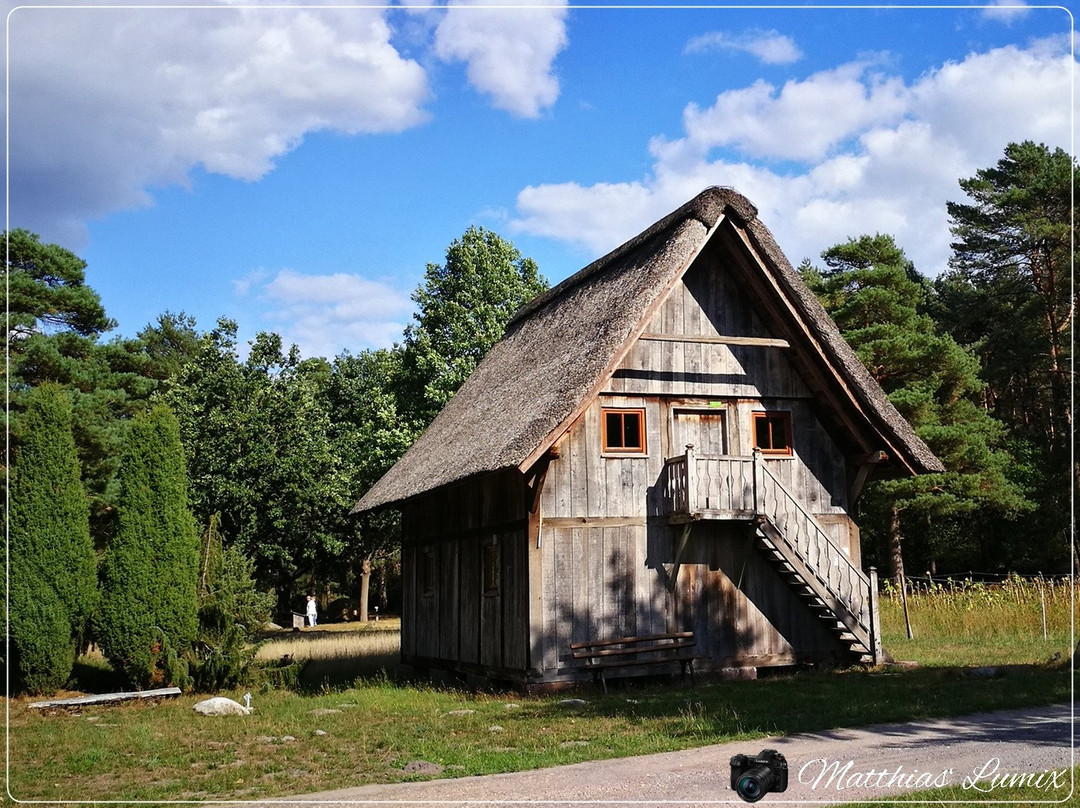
pixel 912 756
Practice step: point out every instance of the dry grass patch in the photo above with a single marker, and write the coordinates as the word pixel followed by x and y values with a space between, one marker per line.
pixel 334 658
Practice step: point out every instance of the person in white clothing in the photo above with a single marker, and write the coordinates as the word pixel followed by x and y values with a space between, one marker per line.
pixel 312 611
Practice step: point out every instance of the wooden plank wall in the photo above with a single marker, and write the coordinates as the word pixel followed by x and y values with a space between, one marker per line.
pixel 610 582
pixel 583 482
pixel 757 619
pixel 603 572
pixel 597 584
pixel 706 303
pixel 458 622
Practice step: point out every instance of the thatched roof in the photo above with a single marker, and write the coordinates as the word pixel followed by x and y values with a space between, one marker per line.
pixel 560 349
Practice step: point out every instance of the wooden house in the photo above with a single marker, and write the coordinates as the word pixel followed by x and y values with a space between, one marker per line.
pixel 671 440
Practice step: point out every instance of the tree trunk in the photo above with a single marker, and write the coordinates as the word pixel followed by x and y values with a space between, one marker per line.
pixel 364 577
pixel 383 598
pixel 896 561
pixel 284 602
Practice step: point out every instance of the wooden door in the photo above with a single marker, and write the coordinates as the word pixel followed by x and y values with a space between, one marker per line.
pixel 703 428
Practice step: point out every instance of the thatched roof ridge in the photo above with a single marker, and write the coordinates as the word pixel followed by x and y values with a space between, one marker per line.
pixel 862 385
pixel 707 208
pixel 548 362
pixel 559 349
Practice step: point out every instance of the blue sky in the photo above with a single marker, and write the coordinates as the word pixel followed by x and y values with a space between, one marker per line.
pixel 297 168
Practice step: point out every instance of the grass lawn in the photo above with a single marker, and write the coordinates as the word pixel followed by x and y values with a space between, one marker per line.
pixel 344 731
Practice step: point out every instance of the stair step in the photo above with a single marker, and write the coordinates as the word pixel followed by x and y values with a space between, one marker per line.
pixel 771 542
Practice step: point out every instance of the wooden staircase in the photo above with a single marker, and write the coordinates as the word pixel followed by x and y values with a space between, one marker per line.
pixel 840 594
pixel 826 606
pixel 833 587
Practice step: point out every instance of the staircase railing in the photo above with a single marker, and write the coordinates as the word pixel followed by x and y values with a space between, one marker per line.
pixel 831 566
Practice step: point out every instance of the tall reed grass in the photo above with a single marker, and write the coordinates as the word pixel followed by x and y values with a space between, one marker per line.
pixel 1015 620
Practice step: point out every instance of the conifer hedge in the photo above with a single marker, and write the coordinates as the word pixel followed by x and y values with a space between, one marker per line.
pixel 149 610
pixel 53 570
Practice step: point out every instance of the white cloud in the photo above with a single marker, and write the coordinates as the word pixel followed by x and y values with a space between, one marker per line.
pixel 509 52
pixel 802 120
pixel 771 47
pixel 856 151
pixel 322 314
pixel 1006 10
pixel 108 102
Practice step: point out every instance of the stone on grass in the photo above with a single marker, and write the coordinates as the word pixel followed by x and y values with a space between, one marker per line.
pixel 220 706
pixel 461 712
pixel 573 703
pixel 319 732
pixel 422 767
pixel 495 728
pixel 323 711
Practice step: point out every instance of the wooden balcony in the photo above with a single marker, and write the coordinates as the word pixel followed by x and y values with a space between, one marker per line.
pixel 709 487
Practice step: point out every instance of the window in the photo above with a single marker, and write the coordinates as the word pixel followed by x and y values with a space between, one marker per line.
pixel 772 432
pixel 624 431
pixel 491 569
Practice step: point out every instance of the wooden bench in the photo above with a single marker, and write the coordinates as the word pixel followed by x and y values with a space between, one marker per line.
pixel 624 652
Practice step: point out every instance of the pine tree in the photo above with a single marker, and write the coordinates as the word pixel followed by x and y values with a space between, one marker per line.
pixel 149 579
pixel 1009 295
pixel 877 297
pixel 1011 271
pixel 53 567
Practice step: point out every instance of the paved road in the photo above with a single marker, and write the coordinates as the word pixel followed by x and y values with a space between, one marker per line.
pixel 885 760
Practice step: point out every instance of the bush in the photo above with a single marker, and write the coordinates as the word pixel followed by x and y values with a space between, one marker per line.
pixel 52 564
pixel 149 577
pixel 230 609
pixel 43 653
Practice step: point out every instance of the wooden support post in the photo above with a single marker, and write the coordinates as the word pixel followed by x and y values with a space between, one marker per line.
pixel 683 539
pixel 691 480
pixel 875 620
pixel 759 484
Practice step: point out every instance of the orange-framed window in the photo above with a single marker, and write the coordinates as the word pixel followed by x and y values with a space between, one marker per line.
pixel 772 433
pixel 624 430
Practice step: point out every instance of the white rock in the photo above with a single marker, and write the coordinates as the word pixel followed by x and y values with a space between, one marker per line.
pixel 220 706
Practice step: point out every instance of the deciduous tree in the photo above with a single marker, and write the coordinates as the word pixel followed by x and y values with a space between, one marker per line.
pixel 369 434
pixel 463 308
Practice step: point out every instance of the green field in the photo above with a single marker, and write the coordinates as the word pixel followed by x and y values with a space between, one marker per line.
pixel 352 723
